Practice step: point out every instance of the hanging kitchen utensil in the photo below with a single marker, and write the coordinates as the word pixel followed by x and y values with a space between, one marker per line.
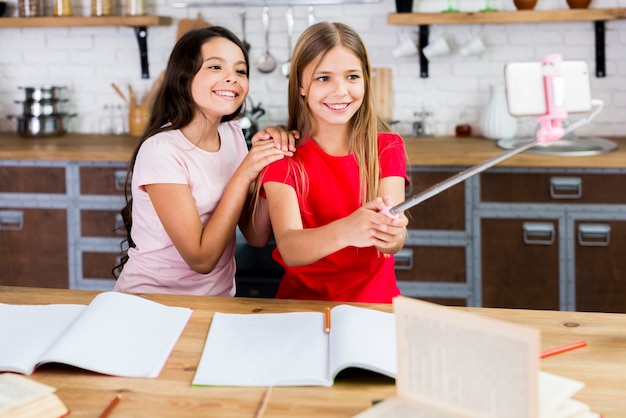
pixel 287 64
pixel 266 63
pixel 242 15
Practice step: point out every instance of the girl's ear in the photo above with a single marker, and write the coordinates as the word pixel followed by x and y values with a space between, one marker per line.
pixel 302 92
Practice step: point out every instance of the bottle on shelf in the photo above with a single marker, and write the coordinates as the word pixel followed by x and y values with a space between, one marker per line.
pixel 29 8
pixel 135 7
pixel 101 7
pixel 62 8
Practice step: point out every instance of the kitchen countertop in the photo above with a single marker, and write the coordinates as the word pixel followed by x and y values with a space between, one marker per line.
pixel 422 151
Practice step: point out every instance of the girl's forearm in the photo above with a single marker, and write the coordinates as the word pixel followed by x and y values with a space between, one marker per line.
pixel 306 246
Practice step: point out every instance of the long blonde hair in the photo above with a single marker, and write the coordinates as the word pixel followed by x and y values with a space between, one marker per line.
pixel 315 42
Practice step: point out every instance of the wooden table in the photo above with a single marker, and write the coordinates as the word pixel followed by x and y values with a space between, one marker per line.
pixel 601 365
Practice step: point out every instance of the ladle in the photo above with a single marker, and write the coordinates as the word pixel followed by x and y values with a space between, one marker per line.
pixel 287 65
pixel 266 63
pixel 246 44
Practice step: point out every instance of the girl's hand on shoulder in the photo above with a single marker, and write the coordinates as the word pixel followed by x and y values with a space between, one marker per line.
pixel 260 155
pixel 283 139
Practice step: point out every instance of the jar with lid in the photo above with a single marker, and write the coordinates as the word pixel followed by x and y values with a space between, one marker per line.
pixel 101 7
pixel 62 8
pixel 135 7
pixel 29 8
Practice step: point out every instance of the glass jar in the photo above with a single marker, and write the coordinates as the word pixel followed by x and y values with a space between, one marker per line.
pixel 62 8
pixel 135 7
pixel 101 7
pixel 29 8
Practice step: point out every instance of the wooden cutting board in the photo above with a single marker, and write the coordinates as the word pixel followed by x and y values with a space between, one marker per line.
pixel 382 92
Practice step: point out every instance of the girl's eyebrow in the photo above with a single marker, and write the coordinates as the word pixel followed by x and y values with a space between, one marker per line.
pixel 242 62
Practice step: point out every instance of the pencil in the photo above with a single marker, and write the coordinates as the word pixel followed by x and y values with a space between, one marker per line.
pixel 111 406
pixel 563 349
pixel 327 320
pixel 263 404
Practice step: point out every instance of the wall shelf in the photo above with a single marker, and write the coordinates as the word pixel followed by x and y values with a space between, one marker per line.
pixel 268 3
pixel 598 16
pixel 138 23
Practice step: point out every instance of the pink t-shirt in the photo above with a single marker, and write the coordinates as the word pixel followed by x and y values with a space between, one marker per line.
pixel 155 265
pixel 351 274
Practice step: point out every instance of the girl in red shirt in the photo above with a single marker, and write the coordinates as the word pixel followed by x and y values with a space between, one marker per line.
pixel 325 201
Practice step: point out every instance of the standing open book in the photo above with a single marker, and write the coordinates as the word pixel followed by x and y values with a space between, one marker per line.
pixel 455 364
pixel 116 334
pixel 293 349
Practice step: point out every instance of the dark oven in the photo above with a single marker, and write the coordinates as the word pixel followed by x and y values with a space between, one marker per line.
pixel 258 275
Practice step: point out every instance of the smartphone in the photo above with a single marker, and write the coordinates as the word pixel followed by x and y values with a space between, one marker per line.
pixel 525 89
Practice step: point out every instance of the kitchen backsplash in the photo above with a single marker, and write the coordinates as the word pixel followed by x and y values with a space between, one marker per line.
pixel 88 59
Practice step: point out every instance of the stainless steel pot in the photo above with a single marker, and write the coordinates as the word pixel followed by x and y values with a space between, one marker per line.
pixel 41 126
pixel 47 107
pixel 42 92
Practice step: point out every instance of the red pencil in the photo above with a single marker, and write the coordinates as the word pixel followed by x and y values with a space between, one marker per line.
pixel 111 406
pixel 563 349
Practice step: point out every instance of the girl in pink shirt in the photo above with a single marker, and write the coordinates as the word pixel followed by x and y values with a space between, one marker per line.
pixel 192 174
pixel 325 202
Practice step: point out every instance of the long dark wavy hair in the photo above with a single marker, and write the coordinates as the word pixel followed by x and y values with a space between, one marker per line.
pixel 174 107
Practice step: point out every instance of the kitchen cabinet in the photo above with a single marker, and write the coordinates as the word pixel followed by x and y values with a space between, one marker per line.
pixel 59 223
pixel 434 261
pixel 551 239
pixel 33 233
pixel 597 16
pixel 535 231
pixel 138 23
pixel 98 240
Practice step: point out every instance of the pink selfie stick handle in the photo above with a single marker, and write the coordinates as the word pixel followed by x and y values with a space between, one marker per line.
pixel 387 211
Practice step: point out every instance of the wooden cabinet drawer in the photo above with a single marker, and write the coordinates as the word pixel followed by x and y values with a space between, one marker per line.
pixel 520 263
pixel 102 223
pixel 445 211
pixel 33 247
pixel 600 265
pixel 102 180
pixel 99 265
pixel 553 188
pixel 32 180
pixel 431 264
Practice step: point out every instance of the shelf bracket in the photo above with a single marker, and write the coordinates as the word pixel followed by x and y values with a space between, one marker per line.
pixel 600 48
pixel 141 33
pixel 423 43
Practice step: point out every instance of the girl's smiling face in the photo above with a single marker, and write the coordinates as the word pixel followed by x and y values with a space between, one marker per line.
pixel 334 87
pixel 220 87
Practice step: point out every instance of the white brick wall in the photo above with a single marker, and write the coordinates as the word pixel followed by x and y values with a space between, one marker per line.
pixel 87 60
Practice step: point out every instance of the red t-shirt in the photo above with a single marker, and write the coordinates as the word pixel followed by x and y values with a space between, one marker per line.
pixel 351 274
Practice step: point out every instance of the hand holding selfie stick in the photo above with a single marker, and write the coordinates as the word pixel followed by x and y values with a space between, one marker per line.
pixel 550 130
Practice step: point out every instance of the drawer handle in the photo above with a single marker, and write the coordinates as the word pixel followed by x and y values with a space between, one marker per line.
pixel 536 233
pixel 404 259
pixel 120 180
pixel 11 220
pixel 594 235
pixel 566 188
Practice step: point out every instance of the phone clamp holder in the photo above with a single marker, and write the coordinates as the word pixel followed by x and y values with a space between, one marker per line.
pixel 551 124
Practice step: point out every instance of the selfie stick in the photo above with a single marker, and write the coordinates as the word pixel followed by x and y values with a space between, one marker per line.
pixel 551 129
